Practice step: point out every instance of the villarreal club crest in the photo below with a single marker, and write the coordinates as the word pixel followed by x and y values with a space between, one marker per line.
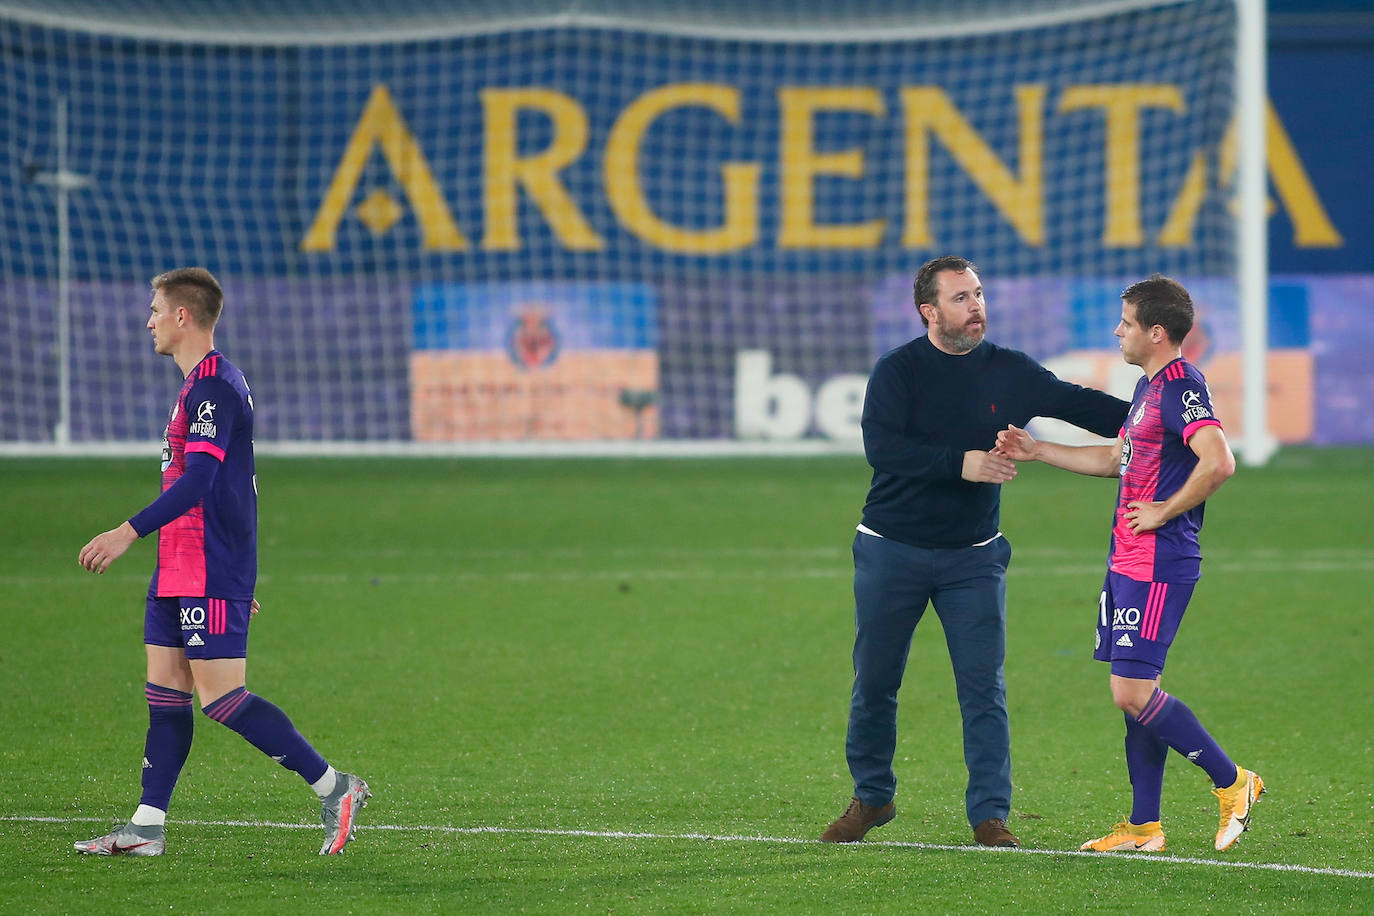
pixel 533 339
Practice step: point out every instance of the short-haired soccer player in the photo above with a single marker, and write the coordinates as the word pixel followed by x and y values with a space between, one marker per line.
pixel 200 599
pixel 1171 455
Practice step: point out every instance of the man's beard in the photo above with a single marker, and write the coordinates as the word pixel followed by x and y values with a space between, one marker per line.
pixel 960 339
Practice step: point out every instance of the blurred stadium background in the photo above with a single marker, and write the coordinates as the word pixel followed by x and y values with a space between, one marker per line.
pixel 606 227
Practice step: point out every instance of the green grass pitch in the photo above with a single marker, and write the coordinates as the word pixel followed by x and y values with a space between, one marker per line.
pixel 621 686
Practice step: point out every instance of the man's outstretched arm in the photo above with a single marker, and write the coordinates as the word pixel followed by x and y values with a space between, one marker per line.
pixel 1093 460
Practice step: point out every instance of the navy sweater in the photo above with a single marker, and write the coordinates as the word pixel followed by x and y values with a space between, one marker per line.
pixel 925 408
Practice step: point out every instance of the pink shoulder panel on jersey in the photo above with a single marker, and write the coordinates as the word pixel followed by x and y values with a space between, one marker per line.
pixel 210 448
pixel 1198 424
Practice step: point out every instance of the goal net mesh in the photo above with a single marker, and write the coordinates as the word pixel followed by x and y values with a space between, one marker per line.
pixel 550 231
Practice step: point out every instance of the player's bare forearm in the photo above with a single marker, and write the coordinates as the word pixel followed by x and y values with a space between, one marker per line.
pixel 1148 516
pixel 1093 460
pixel 106 547
pixel 1215 466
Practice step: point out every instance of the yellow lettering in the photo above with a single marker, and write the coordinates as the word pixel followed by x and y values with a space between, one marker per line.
pixel 626 195
pixel 1178 228
pixel 1121 105
pixel 382 124
pixel 930 111
pixel 504 168
pixel 801 164
pixel 1312 228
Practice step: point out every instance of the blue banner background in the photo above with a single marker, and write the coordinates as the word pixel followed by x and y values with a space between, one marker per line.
pixel 221 156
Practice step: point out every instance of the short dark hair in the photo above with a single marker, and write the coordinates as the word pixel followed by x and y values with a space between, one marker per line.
pixel 926 287
pixel 196 289
pixel 1161 301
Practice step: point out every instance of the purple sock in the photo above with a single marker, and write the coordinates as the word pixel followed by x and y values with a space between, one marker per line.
pixel 1174 723
pixel 269 730
pixel 170 725
pixel 1145 756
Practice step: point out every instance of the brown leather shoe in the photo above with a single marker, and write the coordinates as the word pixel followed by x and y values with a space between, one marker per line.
pixel 856 821
pixel 994 832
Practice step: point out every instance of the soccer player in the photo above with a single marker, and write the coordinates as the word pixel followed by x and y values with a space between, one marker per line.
pixel 929 536
pixel 1171 454
pixel 200 599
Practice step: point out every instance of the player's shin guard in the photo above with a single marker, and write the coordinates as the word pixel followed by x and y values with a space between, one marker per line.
pixel 171 723
pixel 1174 723
pixel 1146 755
pixel 269 730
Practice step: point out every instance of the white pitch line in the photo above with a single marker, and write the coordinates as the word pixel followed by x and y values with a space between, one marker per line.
pixel 742 838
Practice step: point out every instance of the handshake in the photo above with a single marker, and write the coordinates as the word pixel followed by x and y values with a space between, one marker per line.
pixel 999 465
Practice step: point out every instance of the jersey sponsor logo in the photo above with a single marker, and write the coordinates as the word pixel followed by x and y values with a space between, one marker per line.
pixel 1125 640
pixel 205 420
pixel 1125 453
pixel 1126 618
pixel 195 640
pixel 193 618
pixel 1193 408
pixel 1197 413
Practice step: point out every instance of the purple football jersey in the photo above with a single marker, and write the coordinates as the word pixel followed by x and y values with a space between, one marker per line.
pixel 211 550
pixel 1155 462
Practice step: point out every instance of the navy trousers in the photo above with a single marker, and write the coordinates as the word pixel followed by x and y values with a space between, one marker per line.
pixel 893 583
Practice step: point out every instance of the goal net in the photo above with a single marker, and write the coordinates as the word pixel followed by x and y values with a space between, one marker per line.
pixel 572 228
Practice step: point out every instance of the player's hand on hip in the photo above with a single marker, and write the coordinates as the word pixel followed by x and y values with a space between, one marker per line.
pixel 1144 516
pixel 987 467
pixel 105 548
pixel 1015 443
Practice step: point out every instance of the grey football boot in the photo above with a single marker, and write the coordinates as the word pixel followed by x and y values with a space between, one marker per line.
pixel 127 840
pixel 339 811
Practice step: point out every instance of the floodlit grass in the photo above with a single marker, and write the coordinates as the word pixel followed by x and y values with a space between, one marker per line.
pixel 661 647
